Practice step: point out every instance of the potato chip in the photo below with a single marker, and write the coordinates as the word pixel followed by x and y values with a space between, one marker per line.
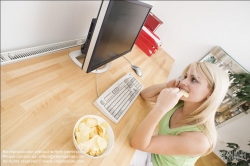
pixel 185 94
pixel 85 146
pixel 83 127
pixel 93 132
pixel 101 130
pixel 80 138
pixel 85 120
pixel 102 143
pixel 92 122
pixel 94 148
pixel 106 137
pixel 104 124
pixel 82 134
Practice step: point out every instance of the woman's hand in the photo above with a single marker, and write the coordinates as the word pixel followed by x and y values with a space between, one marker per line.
pixel 167 99
pixel 151 93
pixel 173 83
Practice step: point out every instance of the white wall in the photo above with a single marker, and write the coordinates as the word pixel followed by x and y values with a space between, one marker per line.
pixel 27 24
pixel 192 28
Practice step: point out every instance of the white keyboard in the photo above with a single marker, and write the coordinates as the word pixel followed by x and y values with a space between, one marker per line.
pixel 118 98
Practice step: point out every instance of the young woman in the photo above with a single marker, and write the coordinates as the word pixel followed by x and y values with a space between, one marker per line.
pixel 186 124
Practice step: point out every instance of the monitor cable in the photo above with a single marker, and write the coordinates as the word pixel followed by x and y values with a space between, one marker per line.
pixel 97 83
pixel 136 69
pixel 127 60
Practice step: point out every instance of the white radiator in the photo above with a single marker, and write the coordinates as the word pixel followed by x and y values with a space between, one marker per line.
pixel 23 54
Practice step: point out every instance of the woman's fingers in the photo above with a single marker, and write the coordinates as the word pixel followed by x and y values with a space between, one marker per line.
pixel 173 83
pixel 168 98
pixel 177 81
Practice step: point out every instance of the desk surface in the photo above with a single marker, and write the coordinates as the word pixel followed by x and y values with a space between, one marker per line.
pixel 42 98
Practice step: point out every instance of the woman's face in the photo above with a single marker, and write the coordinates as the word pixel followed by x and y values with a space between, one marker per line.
pixel 196 85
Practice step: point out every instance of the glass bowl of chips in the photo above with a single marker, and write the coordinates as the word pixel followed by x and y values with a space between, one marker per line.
pixel 93 136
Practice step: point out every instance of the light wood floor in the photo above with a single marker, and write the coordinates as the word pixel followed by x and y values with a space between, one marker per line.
pixel 210 160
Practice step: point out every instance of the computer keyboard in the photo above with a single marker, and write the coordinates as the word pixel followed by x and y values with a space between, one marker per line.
pixel 118 98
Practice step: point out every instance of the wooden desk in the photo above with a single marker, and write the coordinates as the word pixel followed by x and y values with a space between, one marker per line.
pixel 42 98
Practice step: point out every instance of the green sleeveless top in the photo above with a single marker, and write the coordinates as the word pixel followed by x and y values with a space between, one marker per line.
pixel 164 160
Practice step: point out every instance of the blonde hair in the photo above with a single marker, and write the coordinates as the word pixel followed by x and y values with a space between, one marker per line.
pixel 204 116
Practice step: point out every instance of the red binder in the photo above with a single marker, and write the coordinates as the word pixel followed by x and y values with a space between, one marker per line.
pixel 152 22
pixel 147 44
pixel 143 47
pixel 144 35
pixel 152 35
pixel 147 40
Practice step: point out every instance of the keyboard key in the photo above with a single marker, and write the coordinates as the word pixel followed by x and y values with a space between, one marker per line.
pixel 108 96
pixel 115 98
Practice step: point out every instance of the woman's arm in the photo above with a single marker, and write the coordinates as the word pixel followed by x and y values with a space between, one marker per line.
pixel 188 143
pixel 151 93
pixel 166 100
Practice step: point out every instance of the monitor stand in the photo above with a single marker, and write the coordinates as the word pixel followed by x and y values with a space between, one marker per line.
pixel 102 69
pixel 78 54
pixel 74 55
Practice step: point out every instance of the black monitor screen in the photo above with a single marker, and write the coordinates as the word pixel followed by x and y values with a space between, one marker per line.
pixel 120 28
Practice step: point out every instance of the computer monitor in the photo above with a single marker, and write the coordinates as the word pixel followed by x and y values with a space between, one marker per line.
pixel 113 33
